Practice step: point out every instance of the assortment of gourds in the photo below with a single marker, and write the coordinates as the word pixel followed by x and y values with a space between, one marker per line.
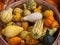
pixel 29 26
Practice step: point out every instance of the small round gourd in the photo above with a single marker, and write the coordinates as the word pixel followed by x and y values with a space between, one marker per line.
pixel 18 10
pixel 24 34
pixel 54 24
pixel 48 12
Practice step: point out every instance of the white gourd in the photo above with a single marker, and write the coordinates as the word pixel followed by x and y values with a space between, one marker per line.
pixel 33 17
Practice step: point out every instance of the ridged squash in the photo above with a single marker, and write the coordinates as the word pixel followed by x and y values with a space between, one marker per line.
pixel 37 29
pixel 6 15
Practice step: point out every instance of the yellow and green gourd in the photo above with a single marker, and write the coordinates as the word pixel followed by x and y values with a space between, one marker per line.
pixel 6 15
pixel 37 29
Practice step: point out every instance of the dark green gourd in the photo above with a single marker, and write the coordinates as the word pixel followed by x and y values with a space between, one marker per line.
pixel 48 39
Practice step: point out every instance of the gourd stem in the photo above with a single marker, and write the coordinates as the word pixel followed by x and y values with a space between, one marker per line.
pixel 25 6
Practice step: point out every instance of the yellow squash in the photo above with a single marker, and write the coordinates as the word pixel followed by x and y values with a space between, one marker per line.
pixel 12 30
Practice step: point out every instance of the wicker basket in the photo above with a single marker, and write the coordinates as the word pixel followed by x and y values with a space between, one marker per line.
pixel 40 2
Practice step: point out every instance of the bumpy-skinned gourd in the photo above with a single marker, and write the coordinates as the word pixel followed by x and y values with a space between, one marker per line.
pixel 12 30
pixel 48 13
pixel 37 29
pixel 49 20
pixel 17 17
pixel 26 11
pixel 6 16
pixel 31 4
pixel 18 10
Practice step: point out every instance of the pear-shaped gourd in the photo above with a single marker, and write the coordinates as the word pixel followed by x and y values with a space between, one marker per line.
pixel 33 17
pixel 37 29
pixel 26 11
pixel 12 30
pixel 6 15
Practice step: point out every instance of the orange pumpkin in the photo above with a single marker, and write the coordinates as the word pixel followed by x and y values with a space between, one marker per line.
pixel 50 17
pixel 48 21
pixel 14 41
pixel 31 41
pixel 54 24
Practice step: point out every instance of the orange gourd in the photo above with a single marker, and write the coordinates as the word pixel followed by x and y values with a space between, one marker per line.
pixel 14 41
pixel 50 17
pixel 31 41
pixel 48 21
pixel 54 24
pixel 25 25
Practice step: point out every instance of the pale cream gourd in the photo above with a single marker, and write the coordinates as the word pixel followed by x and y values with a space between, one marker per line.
pixel 12 30
pixel 26 11
pixel 6 15
pixel 33 17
